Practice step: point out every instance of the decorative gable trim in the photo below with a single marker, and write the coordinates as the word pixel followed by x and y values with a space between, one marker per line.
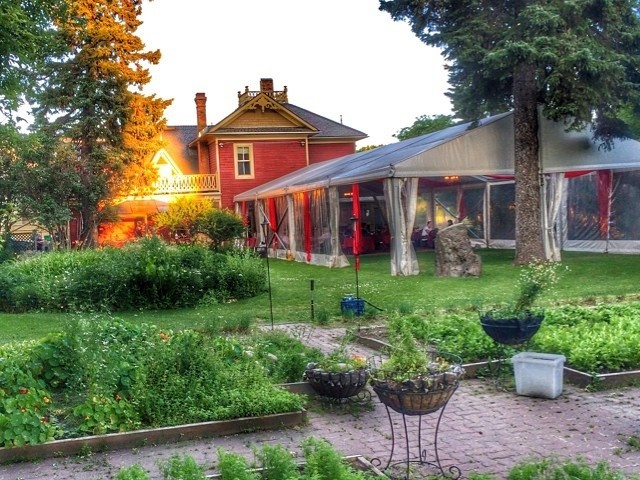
pixel 262 102
pixel 162 157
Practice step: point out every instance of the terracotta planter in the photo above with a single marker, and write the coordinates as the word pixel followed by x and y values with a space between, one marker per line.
pixel 337 385
pixel 511 331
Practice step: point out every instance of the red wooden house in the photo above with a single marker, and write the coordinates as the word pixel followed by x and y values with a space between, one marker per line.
pixel 264 138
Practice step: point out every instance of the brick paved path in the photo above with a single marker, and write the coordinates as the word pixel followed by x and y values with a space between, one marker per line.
pixel 483 430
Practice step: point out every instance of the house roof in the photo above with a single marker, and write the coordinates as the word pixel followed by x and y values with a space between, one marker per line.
pixel 480 149
pixel 176 142
pixel 326 128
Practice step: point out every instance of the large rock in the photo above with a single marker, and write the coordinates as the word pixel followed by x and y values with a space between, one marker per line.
pixel 454 255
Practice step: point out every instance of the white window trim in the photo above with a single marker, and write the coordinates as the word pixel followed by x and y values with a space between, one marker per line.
pixel 236 146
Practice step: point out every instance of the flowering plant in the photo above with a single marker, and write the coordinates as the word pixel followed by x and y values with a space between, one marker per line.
pixel 535 279
pixel 339 361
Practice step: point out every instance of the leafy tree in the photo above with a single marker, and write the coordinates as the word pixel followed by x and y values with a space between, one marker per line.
pixel 87 97
pixel 577 60
pixel 142 139
pixel 366 148
pixel 25 40
pixel 424 124
pixel 49 184
pixel 12 143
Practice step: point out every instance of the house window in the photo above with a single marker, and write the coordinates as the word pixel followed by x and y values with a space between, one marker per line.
pixel 244 161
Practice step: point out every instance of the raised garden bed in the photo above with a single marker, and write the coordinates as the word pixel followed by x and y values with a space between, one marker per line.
pixel 374 338
pixel 115 441
pixel 178 433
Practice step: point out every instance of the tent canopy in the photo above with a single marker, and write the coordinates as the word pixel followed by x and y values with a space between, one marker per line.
pixel 483 148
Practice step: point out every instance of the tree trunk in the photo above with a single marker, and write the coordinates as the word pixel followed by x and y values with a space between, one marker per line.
pixel 529 243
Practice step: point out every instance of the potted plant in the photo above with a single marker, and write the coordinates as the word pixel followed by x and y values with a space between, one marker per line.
pixel 338 375
pixel 414 380
pixel 517 323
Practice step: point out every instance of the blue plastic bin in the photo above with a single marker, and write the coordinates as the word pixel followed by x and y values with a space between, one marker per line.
pixel 352 305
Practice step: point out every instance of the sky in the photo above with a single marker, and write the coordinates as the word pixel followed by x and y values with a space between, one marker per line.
pixel 342 59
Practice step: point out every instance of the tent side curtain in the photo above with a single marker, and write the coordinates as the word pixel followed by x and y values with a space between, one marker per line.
pixel 306 222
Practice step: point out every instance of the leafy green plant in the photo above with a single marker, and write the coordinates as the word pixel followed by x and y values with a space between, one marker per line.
pixel 339 360
pixel 188 378
pixel 323 462
pixel 554 469
pixel 134 472
pixel 181 467
pixel 234 467
pixel 283 356
pixel 100 414
pixel 25 407
pixel 277 463
pixel 534 279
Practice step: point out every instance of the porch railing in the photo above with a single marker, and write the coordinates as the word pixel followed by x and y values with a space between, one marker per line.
pixel 187 183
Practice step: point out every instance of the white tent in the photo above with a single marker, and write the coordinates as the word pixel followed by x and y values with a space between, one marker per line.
pixel 481 153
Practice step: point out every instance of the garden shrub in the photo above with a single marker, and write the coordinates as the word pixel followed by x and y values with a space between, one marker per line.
pixel 190 379
pixel 322 462
pixel 148 274
pixel 284 357
pixel 234 467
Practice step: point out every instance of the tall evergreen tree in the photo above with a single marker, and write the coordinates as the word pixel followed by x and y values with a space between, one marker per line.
pixel 88 97
pixel 577 60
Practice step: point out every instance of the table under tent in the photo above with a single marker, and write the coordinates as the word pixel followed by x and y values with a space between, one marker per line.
pixel 591 196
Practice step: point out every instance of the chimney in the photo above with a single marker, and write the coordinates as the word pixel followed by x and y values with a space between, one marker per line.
pixel 201 111
pixel 266 84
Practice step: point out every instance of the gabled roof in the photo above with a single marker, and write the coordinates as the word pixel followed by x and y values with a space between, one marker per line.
pixel 286 120
pixel 176 142
pixel 296 120
pixel 326 128
pixel 483 148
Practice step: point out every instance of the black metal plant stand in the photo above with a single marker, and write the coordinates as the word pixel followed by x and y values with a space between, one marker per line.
pixel 268 240
pixel 422 457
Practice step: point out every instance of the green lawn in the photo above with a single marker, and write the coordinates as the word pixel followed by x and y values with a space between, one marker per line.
pixel 602 277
